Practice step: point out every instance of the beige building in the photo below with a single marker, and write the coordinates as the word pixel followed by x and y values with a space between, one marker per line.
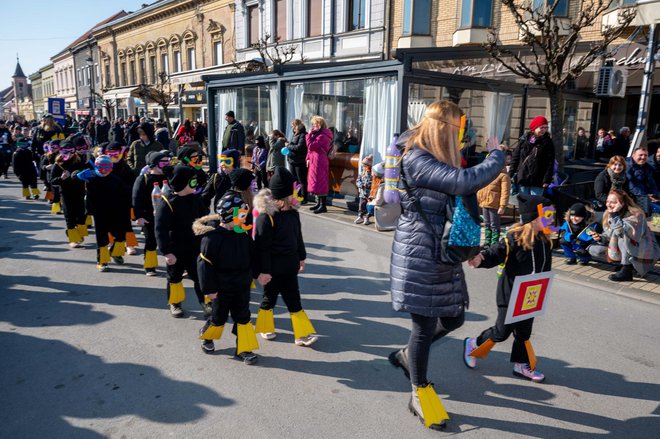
pixel 47 86
pixel 183 38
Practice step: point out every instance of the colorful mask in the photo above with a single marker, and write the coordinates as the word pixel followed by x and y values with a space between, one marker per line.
pixel 164 162
pixel 297 194
pixel 103 166
pixel 116 154
pixel 193 182
pixel 67 152
pixel 195 161
pixel 226 161
pixel 240 216
pixel 547 215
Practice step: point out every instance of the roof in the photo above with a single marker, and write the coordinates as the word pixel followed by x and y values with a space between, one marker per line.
pixel 88 34
pixel 19 71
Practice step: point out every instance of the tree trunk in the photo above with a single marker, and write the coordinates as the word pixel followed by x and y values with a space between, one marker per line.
pixel 167 121
pixel 557 123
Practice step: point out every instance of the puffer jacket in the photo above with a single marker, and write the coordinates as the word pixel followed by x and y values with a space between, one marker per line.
pixel 496 194
pixel 298 148
pixel 420 283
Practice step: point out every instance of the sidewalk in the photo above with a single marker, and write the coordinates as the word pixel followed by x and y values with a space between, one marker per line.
pixel 594 275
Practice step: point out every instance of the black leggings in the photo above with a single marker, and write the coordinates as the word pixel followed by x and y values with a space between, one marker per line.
pixel 425 331
pixel 188 263
pixel 285 284
pixel 499 332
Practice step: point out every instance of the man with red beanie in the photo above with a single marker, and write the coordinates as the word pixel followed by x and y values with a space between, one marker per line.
pixel 533 161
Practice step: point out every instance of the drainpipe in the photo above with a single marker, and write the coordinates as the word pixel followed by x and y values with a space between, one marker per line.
pixel 333 29
pixel 388 30
pixel 647 90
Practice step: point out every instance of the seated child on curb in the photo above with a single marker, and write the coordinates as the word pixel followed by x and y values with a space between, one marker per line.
pixel 577 234
pixel 224 267
pixel 363 184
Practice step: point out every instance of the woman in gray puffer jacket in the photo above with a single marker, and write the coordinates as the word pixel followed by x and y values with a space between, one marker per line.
pixel 435 294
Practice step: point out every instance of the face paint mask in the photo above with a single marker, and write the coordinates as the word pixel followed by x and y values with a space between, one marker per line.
pixel 66 153
pixel 103 170
pixel 193 182
pixel 240 216
pixel 547 215
pixel 116 155
pixel 297 194
pixel 163 163
pixel 226 162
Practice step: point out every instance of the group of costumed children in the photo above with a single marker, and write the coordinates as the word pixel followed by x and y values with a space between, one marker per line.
pixel 249 237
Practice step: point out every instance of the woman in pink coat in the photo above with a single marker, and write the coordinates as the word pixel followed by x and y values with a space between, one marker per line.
pixel 319 142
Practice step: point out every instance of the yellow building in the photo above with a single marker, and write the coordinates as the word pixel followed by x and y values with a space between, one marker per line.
pixel 183 38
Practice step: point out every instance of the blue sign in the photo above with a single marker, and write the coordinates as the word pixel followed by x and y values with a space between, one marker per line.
pixel 56 109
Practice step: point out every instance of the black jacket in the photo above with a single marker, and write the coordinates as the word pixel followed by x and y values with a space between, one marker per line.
pixel 236 137
pixel 117 135
pixel 519 263
pixel 533 164
pixel 298 149
pixel 23 163
pixel 603 185
pixel 70 187
pixel 226 258
pixel 102 132
pixel 174 219
pixel 108 197
pixel 142 188
pixel 420 283
pixel 215 188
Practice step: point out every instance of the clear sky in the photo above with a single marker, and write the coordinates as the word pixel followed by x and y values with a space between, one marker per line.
pixel 38 29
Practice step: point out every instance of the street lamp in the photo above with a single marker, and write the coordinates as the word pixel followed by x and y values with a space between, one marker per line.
pixel 90 65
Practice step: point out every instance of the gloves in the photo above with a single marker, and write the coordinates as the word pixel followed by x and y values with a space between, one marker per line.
pixel 85 175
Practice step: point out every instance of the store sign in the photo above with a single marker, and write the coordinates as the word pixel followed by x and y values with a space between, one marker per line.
pixel 489 69
pixel 193 97
pixel 633 56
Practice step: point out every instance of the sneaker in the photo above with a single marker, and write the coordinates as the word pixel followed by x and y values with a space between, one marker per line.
pixel 131 251
pixel 150 272
pixel 35 197
pixel 208 346
pixel 469 345
pixel 207 309
pixel 75 245
pixel 400 359
pixel 584 263
pixel 248 358
pixel 366 221
pixel 102 267
pixel 176 310
pixel 119 260
pixel 571 261
pixel 306 341
pixel 358 220
pixel 523 370
pixel 268 335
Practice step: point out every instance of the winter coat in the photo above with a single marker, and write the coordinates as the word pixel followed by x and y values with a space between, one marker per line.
pixel 23 163
pixel 578 236
pixel 259 158
pixel 71 188
pixel 620 146
pixel 420 283
pixel 533 164
pixel 225 261
pixel 102 132
pixel 215 188
pixel 640 179
pixel 640 241
pixel 603 186
pixel 278 237
pixel 137 153
pixel 655 164
pixel 518 263
pixel 496 194
pixel 174 219
pixel 42 136
pixel 142 188
pixel 163 137
pixel 117 135
pixel 298 149
pixel 233 137
pixel 275 156
pixel 319 143
pixel 132 134
pixel 363 184
pixel 108 197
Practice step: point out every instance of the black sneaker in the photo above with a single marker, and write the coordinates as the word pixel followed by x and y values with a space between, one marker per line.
pixel 150 272
pixel 584 263
pixel 176 310
pixel 208 346
pixel 249 358
pixel 571 261
pixel 119 260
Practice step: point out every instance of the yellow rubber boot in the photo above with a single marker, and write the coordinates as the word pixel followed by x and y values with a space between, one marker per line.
pixel 88 221
pixel 35 192
pixel 247 338
pixel 212 333
pixel 177 293
pixel 73 235
pixel 118 249
pixel 150 259
pixel 433 413
pixel 265 321
pixel 302 327
pixel 82 230
pixel 104 255
pixel 55 208
pixel 26 192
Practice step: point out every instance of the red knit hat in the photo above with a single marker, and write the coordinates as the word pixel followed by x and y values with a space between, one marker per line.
pixel 537 122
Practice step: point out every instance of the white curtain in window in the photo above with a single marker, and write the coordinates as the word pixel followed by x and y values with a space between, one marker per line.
pixel 416 111
pixel 380 114
pixel 502 114
pixel 294 106
pixel 274 91
pixel 226 100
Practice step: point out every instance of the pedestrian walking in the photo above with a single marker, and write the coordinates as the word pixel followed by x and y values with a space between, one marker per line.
pixel 25 169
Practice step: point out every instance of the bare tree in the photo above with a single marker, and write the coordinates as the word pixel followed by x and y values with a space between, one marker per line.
pixel 107 104
pixel 272 54
pixel 160 93
pixel 552 59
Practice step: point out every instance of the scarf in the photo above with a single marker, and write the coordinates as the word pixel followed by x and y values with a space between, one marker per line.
pixel 618 180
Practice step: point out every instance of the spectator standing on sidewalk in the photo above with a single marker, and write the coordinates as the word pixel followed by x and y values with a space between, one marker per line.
pixel 532 165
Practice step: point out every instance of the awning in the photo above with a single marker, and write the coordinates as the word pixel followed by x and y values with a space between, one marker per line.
pixel 121 93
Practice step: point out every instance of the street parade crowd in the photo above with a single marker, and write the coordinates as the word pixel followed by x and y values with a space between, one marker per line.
pixel 230 227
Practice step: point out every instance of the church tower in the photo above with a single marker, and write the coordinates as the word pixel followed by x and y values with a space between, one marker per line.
pixel 20 84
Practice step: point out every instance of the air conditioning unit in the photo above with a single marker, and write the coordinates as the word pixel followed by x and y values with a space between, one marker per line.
pixel 611 82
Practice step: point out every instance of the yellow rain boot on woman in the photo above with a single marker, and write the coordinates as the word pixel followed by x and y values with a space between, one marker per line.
pixel 35 193
pixel 26 193
pixel 303 330
pixel 246 342
pixel 82 230
pixel 425 404
pixel 56 208
pixel 265 324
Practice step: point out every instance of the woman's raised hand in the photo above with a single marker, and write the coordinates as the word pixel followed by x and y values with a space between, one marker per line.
pixel 493 144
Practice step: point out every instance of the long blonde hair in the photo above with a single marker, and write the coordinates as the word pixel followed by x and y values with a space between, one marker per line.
pixel 629 207
pixel 525 236
pixel 437 133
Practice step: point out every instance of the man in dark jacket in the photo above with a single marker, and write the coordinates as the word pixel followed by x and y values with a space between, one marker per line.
pixel 234 134
pixel 6 149
pixel 137 152
pixel 102 131
pixel 132 129
pixel 533 161
pixel 163 135
pixel 641 182
pixel 621 143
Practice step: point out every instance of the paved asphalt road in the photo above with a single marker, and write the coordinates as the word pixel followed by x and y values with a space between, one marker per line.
pixel 88 354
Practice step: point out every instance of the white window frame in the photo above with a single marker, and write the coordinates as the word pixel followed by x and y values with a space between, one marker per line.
pixel 192 64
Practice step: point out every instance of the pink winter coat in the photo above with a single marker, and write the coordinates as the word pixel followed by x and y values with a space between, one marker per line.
pixel 318 146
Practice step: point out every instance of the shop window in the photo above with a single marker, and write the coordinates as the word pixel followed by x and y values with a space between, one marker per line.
pixel 164 63
pixel 560 11
pixel 253 25
pixel 356 14
pixel 217 53
pixel 177 62
pixel 280 19
pixel 476 13
pixel 417 17
pixel 314 18
pixel 191 58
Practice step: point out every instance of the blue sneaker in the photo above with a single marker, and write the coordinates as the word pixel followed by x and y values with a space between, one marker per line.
pixel 470 344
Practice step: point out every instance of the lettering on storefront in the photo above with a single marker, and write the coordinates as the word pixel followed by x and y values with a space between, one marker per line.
pixel 490 69
pixel 632 59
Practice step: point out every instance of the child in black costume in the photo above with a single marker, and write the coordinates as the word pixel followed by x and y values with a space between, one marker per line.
pixel 143 207
pixel 225 270
pixel 524 250
pixel 190 156
pixel 107 198
pixel 219 183
pixel 280 256
pixel 72 191
pixel 174 219
pixel 24 168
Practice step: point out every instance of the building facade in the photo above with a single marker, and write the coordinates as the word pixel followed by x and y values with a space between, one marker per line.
pixel 47 86
pixel 64 80
pixel 37 94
